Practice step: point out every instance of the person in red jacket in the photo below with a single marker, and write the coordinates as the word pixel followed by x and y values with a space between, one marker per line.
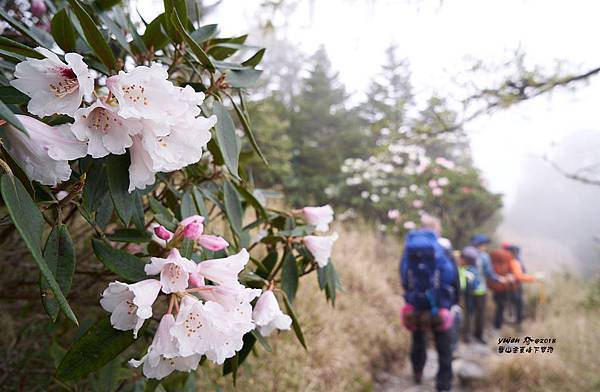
pixel 505 265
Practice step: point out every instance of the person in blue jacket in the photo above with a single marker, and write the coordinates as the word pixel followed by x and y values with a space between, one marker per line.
pixel 430 281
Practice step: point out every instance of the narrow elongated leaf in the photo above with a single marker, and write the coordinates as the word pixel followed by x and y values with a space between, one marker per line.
pixel 118 185
pixel 199 202
pixel 11 46
pixel 9 116
pixel 248 131
pixel 29 221
pixel 153 37
pixel 255 59
pixel 289 276
pixel 173 7
pixel 204 33
pixel 97 347
pixel 243 78
pixel 162 215
pixel 63 32
pixel 122 263
pixel 227 139
pixel 233 207
pixel 93 36
pixel 10 95
pixel 130 235
pixel 261 339
pixel 198 52
pixel 295 323
pixel 60 256
pixel 188 208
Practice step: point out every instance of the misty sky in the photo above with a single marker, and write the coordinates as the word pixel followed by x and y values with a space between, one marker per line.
pixel 440 39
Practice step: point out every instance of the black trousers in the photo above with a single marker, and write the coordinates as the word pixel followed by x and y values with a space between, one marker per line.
pixel 418 356
pixel 500 298
pixel 474 316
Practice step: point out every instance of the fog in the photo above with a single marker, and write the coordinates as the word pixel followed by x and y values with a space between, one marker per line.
pixel 554 218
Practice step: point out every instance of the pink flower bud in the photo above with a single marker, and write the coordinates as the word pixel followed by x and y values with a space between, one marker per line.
pixel 193 231
pixel 212 242
pixel 38 7
pixel 162 233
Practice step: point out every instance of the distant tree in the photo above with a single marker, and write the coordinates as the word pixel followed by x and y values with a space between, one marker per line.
pixel 324 132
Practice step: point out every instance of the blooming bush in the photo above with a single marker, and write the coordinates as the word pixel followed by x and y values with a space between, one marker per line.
pixel 126 132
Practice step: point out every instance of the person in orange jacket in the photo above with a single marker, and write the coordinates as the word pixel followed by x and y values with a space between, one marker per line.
pixel 505 265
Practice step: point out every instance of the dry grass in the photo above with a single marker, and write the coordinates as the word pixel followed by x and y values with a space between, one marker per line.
pixel 345 344
pixel 571 316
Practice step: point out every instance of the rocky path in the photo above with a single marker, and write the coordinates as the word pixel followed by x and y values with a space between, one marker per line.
pixel 469 367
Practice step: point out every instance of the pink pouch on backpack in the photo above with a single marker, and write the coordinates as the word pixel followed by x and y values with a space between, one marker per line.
pixel 446 319
pixel 407 314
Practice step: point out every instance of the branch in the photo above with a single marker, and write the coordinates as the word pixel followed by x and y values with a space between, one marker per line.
pixel 572 176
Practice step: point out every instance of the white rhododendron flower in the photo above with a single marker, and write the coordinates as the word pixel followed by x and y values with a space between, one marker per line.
pixel 176 145
pixel 410 225
pixel 437 191
pixel 443 181
pixel 145 92
pixel 163 354
pixel 130 304
pixel 320 247
pixel 393 214
pixel 174 271
pixel 417 203
pixel 105 131
pixel 45 151
pixel 54 87
pixel 206 328
pixel 320 217
pixel 267 315
pixel 224 271
pixel 140 171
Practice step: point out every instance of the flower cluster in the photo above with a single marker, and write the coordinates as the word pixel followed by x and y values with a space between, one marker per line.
pixel 320 246
pixel 159 123
pixel 209 310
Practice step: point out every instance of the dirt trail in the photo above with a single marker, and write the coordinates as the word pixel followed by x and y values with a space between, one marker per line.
pixel 468 367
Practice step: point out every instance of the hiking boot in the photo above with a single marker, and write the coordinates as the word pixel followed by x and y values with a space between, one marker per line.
pixel 417 378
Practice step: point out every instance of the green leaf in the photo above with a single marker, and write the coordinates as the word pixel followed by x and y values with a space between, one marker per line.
pixel 243 78
pixel 93 36
pixel 153 37
pixel 29 222
pixel 130 235
pixel 289 276
pixel 118 184
pixel 138 217
pixel 174 7
pixel 96 186
pixel 255 59
pixel 227 139
pixel 63 32
pixel 97 347
pixel 225 47
pixel 11 95
pixel 9 116
pixel 188 207
pixel 199 202
pixel 295 323
pixel 261 339
pixel 18 48
pixel 162 215
pixel 198 52
pixel 204 33
pixel 233 207
pixel 248 131
pixel 60 257
pixel 122 263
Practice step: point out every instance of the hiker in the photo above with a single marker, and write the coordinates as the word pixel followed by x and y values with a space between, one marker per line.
pixel 506 265
pixel 469 281
pixel 430 282
pixel 484 272
pixel 456 311
pixel 515 295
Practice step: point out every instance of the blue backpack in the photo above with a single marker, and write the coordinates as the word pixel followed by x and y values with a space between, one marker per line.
pixel 427 272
